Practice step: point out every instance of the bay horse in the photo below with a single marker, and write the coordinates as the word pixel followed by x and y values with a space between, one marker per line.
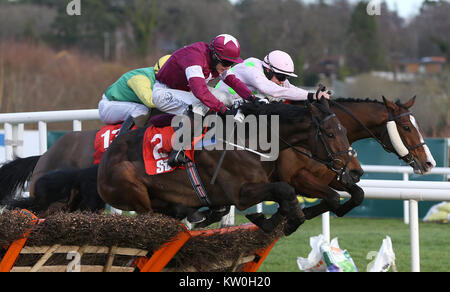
pixel 243 180
pixel 362 119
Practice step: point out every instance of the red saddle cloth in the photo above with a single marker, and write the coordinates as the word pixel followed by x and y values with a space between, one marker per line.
pixel 157 145
pixel 104 138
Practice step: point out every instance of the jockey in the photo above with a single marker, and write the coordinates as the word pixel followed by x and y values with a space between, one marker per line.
pixel 129 99
pixel 270 78
pixel 182 81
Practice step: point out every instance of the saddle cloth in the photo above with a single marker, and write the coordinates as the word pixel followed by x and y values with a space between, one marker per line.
pixel 103 139
pixel 156 148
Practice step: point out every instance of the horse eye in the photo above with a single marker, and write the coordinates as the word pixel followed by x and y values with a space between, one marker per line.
pixel 406 128
pixel 330 135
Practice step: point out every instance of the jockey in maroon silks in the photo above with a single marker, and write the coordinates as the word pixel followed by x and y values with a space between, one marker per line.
pixel 183 81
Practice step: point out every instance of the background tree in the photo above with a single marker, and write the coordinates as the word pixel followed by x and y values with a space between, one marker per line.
pixel 364 52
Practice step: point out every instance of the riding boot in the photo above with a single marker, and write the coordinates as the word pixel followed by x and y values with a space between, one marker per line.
pixel 178 157
pixel 142 120
pixel 126 126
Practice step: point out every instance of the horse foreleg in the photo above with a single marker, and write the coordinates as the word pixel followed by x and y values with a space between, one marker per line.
pixel 280 192
pixel 310 186
pixel 357 197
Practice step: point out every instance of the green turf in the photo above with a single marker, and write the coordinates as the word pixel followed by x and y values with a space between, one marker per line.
pixel 361 236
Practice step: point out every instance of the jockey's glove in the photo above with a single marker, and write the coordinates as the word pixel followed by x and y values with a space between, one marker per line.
pixel 252 98
pixel 230 111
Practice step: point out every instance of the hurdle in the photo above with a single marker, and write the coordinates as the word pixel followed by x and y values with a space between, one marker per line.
pixel 139 259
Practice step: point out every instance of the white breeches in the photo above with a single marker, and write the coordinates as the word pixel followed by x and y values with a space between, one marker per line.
pixel 177 102
pixel 114 112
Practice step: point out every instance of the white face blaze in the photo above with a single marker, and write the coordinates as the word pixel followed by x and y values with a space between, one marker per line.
pixel 430 157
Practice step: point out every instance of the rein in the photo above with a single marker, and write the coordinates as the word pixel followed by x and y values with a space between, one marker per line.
pixel 347 111
pixel 408 158
pixel 329 164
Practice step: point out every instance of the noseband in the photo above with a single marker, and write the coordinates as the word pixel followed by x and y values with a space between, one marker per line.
pixel 401 147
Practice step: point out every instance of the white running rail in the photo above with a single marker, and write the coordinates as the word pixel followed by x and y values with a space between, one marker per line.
pixel 412 192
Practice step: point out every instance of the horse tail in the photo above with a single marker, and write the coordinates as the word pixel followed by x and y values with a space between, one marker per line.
pixel 14 175
pixel 53 187
pixel 30 204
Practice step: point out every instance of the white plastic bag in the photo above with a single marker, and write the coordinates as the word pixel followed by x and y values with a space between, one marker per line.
pixel 326 257
pixel 385 258
pixel 314 262
pixel 438 213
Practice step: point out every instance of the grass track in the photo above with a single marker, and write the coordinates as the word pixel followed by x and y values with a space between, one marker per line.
pixel 359 237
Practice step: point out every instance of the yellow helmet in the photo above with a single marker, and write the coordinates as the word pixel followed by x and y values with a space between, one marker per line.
pixel 160 63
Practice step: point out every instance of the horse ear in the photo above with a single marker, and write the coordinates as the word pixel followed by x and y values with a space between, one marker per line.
pixel 411 102
pixel 389 104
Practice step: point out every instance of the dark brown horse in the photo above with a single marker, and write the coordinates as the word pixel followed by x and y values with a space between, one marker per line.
pixel 369 119
pixel 362 119
pixel 243 180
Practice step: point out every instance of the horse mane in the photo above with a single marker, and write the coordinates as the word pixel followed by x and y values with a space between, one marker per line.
pixel 287 113
pixel 358 100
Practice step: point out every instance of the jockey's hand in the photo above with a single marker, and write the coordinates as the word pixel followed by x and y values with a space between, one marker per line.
pixel 322 92
pixel 230 111
pixel 252 98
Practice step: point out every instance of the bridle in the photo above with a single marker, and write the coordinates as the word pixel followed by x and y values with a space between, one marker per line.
pixel 332 157
pixel 407 158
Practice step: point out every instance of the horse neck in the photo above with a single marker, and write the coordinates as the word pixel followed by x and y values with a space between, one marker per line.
pixel 372 115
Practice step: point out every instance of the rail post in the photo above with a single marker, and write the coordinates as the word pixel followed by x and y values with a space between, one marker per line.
pixel 414 228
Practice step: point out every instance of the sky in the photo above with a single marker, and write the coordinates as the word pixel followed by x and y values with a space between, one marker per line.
pixel 405 8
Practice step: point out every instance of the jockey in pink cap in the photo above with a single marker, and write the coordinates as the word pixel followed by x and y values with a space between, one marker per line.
pixel 269 77
pixel 183 81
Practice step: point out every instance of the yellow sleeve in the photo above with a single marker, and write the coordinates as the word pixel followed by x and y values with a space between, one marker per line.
pixel 141 85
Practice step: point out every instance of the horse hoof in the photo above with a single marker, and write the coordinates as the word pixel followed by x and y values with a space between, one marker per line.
pixel 196 218
pixel 259 220
pixel 256 218
pixel 266 225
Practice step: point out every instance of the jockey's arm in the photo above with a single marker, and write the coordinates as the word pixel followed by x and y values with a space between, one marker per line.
pixel 267 87
pixel 198 86
pixel 241 89
pixel 141 85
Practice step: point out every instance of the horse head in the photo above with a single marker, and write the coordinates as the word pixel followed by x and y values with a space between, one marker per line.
pixel 316 129
pixel 329 143
pixel 405 138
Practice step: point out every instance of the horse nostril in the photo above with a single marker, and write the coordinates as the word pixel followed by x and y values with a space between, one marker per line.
pixel 429 165
pixel 356 175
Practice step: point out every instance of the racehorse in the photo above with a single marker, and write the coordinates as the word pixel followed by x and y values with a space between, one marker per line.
pixel 243 180
pixel 362 119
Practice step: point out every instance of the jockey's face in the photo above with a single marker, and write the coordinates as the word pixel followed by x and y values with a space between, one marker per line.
pixel 275 80
pixel 220 68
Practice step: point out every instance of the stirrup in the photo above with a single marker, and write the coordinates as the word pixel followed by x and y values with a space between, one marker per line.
pixel 196 217
pixel 126 126
pixel 177 158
